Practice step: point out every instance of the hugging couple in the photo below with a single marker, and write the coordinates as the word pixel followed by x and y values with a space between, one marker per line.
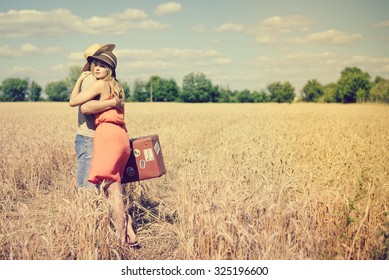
pixel 102 142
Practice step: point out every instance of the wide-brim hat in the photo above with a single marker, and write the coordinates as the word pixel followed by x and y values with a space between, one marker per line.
pixel 96 49
pixel 107 57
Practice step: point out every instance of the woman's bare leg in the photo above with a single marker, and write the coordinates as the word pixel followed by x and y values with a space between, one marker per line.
pixel 121 219
pixel 130 231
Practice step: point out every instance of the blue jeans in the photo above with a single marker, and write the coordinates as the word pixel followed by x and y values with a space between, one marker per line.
pixel 84 151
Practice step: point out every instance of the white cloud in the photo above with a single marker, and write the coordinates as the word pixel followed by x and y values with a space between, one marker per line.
pixel 152 65
pixel 7 51
pixel 52 50
pixel 76 56
pixel 231 27
pixel 59 22
pixel 168 8
pixel 21 70
pixel 271 26
pixel 384 69
pixel 27 49
pixel 59 67
pixel 199 28
pixel 131 14
pixel 266 39
pixel 167 53
pixel 223 60
pixel 287 21
pixel 23 23
pixel 171 62
pixel 147 25
pixel 383 24
pixel 97 23
pixel 369 60
pixel 272 21
pixel 269 30
pixel 330 37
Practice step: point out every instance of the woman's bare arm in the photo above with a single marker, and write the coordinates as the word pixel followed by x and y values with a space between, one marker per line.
pixel 97 106
pixel 78 98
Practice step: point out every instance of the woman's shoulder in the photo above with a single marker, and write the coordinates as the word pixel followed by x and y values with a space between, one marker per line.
pixel 100 83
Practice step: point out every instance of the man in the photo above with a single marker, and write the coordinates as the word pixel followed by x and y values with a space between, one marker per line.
pixel 86 120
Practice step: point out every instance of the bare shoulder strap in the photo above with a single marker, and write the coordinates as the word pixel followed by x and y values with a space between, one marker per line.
pixel 110 89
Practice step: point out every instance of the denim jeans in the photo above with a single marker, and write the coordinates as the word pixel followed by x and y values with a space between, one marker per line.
pixel 84 151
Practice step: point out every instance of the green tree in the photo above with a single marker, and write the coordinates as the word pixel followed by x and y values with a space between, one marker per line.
pixel 197 88
pixel 234 96
pixel 214 93
pixel 140 92
pixel 57 91
pixel 14 89
pixel 378 79
pixel 162 89
pixel 126 89
pixel 312 91
pixel 380 91
pixel 245 96
pixel 261 96
pixel 351 82
pixel 281 92
pixel 225 95
pixel 74 74
pixel 328 93
pixel 35 91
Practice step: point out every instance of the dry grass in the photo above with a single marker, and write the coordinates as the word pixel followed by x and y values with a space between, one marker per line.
pixel 244 181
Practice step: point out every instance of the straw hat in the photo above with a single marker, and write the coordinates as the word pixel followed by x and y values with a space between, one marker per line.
pixel 107 57
pixel 96 49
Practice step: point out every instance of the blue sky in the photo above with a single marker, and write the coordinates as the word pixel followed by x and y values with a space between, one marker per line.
pixel 243 44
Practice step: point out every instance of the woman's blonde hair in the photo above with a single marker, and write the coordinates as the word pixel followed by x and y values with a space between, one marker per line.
pixel 111 79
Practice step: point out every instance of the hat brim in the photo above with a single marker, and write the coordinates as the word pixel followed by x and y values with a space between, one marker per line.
pixel 86 67
pixel 107 47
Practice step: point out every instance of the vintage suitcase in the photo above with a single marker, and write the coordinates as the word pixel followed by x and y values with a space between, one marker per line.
pixel 146 160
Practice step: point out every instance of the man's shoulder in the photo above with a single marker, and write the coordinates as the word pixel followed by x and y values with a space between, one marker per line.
pixel 88 81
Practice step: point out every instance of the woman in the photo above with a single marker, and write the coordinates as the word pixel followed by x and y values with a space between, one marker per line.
pixel 111 142
pixel 86 120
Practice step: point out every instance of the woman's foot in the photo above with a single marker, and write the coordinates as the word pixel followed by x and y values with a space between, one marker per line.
pixel 132 242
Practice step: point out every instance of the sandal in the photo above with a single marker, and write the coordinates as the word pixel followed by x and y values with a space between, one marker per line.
pixel 132 245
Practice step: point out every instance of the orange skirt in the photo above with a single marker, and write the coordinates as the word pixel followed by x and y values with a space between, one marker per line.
pixel 110 153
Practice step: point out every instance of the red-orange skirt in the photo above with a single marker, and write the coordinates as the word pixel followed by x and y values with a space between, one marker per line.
pixel 110 153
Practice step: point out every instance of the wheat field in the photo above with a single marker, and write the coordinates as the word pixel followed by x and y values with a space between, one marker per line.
pixel 244 181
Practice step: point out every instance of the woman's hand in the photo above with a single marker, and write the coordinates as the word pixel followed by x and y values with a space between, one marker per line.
pixel 84 75
pixel 118 103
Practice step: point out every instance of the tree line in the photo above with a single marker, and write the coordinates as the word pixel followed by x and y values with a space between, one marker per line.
pixel 354 85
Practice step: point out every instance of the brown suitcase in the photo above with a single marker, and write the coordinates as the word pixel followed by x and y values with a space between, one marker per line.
pixel 146 160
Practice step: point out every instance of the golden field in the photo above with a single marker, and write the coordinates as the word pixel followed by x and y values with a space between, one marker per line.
pixel 244 181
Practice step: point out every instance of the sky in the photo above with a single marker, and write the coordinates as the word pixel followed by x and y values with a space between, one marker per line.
pixel 242 44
